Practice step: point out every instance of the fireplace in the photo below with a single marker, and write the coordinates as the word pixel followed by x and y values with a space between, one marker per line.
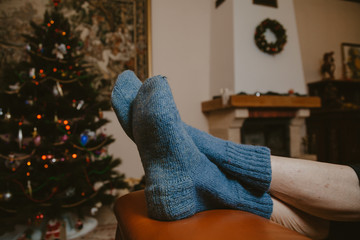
pixel 277 122
pixel 270 132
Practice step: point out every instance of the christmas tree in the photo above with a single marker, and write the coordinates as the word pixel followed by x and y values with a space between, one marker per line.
pixel 53 157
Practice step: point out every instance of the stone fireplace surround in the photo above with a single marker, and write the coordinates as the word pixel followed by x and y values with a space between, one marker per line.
pixel 226 118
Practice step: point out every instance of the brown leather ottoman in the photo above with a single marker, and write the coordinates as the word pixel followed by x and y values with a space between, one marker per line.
pixel 134 224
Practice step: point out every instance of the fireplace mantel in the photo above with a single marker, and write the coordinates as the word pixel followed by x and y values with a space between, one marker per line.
pixel 227 117
pixel 262 101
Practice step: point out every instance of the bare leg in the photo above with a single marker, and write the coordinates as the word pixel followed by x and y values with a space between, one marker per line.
pixel 328 191
pixel 299 221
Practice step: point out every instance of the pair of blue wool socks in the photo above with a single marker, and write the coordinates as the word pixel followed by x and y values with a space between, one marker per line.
pixel 187 170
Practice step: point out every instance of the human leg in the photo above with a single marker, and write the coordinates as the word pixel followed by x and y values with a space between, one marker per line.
pixel 325 190
pixel 180 181
pixel 299 221
pixel 249 164
pixel 293 215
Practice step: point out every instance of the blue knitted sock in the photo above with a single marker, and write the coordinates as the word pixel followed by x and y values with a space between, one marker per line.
pixel 249 164
pixel 122 96
pixel 180 180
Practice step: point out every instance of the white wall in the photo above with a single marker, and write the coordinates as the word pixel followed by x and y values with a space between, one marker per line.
pixel 221 48
pixel 123 148
pixel 180 33
pixel 237 63
pixel 181 43
pixel 258 71
pixel 188 45
pixel 323 25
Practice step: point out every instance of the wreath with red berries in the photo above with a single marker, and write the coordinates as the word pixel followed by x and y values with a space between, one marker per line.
pixel 278 30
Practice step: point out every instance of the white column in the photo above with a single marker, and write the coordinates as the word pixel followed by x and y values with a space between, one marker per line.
pixel 297 132
pixel 226 124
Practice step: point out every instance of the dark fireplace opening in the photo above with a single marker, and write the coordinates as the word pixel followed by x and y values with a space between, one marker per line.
pixel 272 133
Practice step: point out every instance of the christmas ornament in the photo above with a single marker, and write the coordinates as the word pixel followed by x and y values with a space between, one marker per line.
pixel 55 91
pixel 98 185
pixel 279 32
pixel 70 192
pixel 84 139
pixel 91 134
pixel 15 87
pixel 32 73
pixel 29 102
pixel 34 133
pixel 37 140
pixel 53 229
pixel 64 138
pixel 20 137
pixel 56 119
pixel 59 88
pixel 7 116
pixel 94 210
pixel 62 48
pixel 59 51
pixel 29 188
pixel 7 196
pixel 56 2
pixel 40 48
pixel 80 104
pixel 79 224
pixel 98 205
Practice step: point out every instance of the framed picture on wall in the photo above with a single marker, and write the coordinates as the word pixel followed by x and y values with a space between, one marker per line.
pixel 351 61
pixel 269 3
pixel 114 35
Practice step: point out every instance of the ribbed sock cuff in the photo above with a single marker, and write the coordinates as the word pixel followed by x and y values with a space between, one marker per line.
pixel 261 205
pixel 251 164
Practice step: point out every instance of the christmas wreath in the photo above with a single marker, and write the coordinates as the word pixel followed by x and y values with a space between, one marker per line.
pixel 279 32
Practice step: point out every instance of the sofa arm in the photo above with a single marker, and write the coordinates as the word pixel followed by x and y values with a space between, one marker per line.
pixel 134 223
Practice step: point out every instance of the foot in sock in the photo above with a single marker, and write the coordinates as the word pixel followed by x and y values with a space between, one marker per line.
pixel 180 180
pixel 122 96
pixel 249 164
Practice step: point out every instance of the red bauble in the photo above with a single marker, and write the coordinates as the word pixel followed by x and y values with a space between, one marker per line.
pixel 56 2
